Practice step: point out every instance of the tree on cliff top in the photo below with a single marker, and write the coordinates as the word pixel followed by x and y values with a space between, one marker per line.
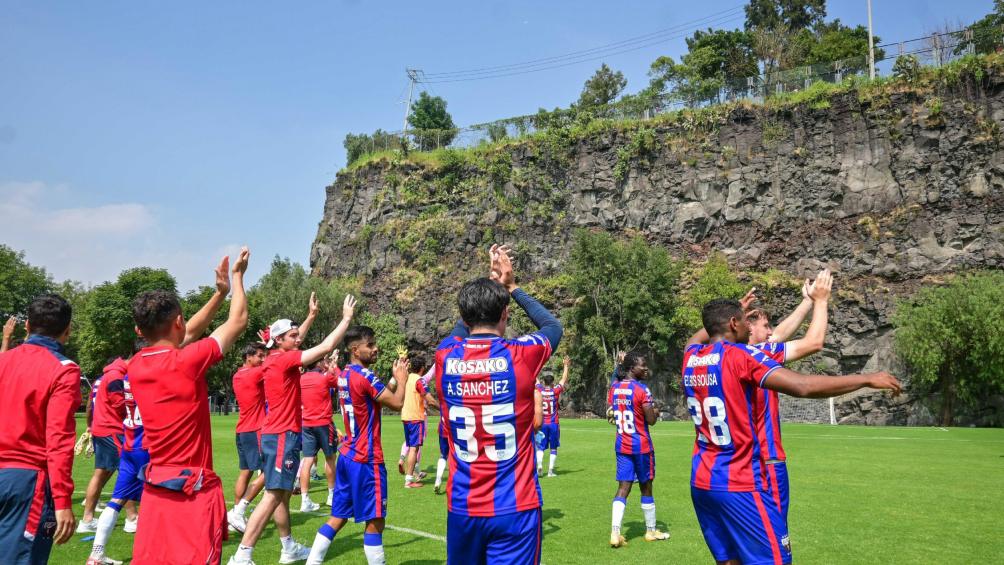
pixel 949 337
pixel 602 88
pixel 434 124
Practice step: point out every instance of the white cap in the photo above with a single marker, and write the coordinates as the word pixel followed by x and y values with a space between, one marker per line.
pixel 278 328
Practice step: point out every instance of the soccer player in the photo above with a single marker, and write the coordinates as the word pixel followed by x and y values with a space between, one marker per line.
pixel 128 486
pixel 249 390
pixel 721 381
pixel 413 417
pixel 486 389
pixel 550 398
pixel 632 408
pixel 184 511
pixel 280 433
pixel 360 474
pixel 319 432
pixel 41 388
pixel 106 431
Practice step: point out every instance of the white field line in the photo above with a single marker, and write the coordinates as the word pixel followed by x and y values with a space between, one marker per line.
pixel 391 527
pixel 799 436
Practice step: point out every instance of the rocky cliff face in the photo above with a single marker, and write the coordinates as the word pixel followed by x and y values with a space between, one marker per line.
pixel 892 190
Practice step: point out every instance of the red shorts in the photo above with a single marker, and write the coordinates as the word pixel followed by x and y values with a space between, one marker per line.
pixel 181 529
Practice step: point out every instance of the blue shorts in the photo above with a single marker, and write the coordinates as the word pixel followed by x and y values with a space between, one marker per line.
pixel 27 517
pixel 552 436
pixel 319 438
pixel 107 450
pixel 360 490
pixel 282 459
pixel 414 433
pixel 742 525
pixel 128 485
pixel 249 457
pixel 777 479
pixel 444 447
pixel 508 539
pixel 636 467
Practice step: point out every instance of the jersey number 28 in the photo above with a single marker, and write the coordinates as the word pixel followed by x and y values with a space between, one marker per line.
pixel 714 409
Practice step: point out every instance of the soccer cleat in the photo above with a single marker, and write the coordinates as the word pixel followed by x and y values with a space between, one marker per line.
pixel 130 525
pixel 422 475
pixel 236 521
pixel 330 496
pixel 552 474
pixel 233 561
pixel 414 484
pixel 617 540
pixel 438 489
pixel 400 466
pixel 307 505
pixel 656 535
pixel 102 561
pixel 87 527
pixel 298 552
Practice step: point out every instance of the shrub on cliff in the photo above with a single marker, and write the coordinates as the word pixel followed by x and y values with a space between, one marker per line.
pixel 950 338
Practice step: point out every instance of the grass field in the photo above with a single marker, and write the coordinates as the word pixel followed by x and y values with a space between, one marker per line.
pixel 859 495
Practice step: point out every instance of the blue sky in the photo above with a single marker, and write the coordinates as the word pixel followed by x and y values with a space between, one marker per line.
pixel 166 135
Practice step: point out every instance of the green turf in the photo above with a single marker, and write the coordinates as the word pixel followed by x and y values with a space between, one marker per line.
pixel 859 495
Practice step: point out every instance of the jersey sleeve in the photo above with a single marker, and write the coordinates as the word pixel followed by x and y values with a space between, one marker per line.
pixel 530 353
pixel 776 351
pixel 198 357
pixel 421 387
pixel 752 365
pixel 646 394
pixel 60 433
pixel 372 385
pixel 610 396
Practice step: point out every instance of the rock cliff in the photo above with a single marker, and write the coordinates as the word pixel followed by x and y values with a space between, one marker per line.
pixel 893 188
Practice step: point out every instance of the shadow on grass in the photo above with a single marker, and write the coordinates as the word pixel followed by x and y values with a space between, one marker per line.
pixel 636 530
pixel 550 516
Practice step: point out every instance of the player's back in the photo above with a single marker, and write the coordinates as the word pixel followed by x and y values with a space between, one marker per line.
pixel 358 389
pixel 315 395
pixel 768 409
pixel 132 424
pixel 486 393
pixel 721 382
pixel 29 374
pixel 249 391
pixel 628 398
pixel 413 409
pixel 550 402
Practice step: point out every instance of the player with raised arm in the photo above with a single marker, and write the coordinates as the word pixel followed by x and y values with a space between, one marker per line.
pixel 486 389
pixel 184 511
pixel 8 333
pixel 727 475
pixel 128 486
pixel 41 389
pixel 249 391
pixel 413 418
pixel 280 434
pixel 550 399
pixel 319 432
pixel 360 474
pixel 631 407
pixel 774 342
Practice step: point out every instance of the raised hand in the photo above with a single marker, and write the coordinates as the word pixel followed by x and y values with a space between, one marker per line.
pixel 241 264
pixel 820 289
pixel 263 335
pixel 400 369
pixel 566 361
pixel 8 327
pixel 223 276
pixel 502 267
pixel 312 306
pixel 349 307
pixel 806 287
pixel 747 300
pixel 620 357
pixel 884 380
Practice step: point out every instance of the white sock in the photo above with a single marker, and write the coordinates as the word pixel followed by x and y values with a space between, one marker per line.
pixel 550 465
pixel 409 479
pixel 440 469
pixel 106 523
pixel 287 542
pixel 618 514
pixel 540 459
pixel 648 508
pixel 241 507
pixel 320 546
pixel 243 554
pixel 374 554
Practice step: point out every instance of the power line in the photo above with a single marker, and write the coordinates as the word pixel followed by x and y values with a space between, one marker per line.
pixel 574 57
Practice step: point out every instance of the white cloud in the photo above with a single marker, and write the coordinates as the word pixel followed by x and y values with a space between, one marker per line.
pixel 93 244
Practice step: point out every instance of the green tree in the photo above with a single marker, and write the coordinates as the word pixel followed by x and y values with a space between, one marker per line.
pixel 602 88
pixel 433 124
pixel 833 41
pixel 390 339
pixel 625 298
pixel 20 283
pixel 714 279
pixel 792 14
pixel 357 145
pixel 950 339
pixel 987 32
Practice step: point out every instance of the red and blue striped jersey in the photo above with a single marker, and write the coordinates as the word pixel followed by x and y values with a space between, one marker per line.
pixel 358 389
pixel 132 424
pixel 768 410
pixel 485 386
pixel 722 381
pixel 551 400
pixel 628 399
